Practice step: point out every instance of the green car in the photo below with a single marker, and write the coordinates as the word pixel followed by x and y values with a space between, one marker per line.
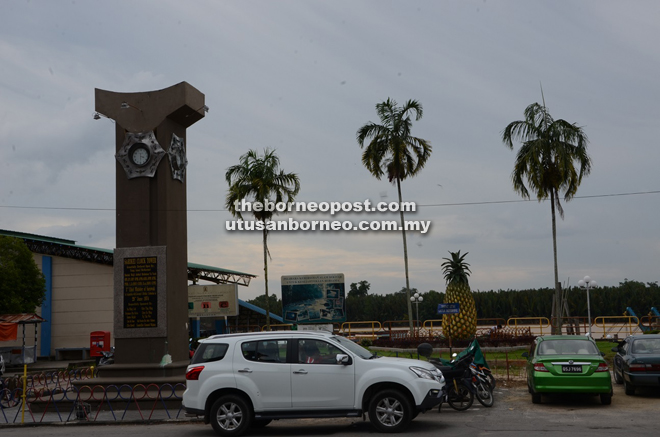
pixel 567 364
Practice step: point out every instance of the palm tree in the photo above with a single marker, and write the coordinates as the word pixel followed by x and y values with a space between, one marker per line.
pixel 259 179
pixel 553 159
pixel 393 150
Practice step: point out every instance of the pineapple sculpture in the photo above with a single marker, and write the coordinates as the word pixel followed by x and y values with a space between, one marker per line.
pixel 461 326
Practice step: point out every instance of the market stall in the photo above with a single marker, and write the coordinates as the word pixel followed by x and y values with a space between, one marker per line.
pixel 9 328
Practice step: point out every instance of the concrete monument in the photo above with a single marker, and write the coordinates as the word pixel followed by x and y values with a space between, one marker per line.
pixel 150 262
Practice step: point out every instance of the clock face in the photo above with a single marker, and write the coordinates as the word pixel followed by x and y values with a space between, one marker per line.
pixel 139 155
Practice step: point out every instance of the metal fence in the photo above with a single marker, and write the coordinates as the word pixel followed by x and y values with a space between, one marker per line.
pixel 54 397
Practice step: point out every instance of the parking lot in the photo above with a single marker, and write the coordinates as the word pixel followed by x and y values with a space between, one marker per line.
pixel 516 396
pixel 512 415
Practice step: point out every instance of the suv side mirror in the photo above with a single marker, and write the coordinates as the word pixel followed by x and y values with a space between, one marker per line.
pixel 615 349
pixel 343 359
pixel 525 355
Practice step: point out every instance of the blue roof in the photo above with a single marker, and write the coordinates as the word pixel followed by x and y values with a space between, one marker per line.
pixel 259 310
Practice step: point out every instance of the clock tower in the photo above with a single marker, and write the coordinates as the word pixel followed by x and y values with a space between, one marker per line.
pixel 150 261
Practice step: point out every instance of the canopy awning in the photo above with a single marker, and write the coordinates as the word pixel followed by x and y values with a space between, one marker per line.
pixel 21 318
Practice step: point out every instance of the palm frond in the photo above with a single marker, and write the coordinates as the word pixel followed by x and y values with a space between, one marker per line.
pixel 550 152
pixel 258 177
pixel 392 149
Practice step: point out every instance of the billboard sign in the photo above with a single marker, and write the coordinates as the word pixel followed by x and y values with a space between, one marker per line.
pixel 212 300
pixel 314 299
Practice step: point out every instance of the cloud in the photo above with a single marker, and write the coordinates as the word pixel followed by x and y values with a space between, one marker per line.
pixel 302 77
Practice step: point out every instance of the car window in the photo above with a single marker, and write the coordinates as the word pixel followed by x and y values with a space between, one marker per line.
pixel 268 351
pixel 567 347
pixel 317 352
pixel 547 348
pixel 208 352
pixel 646 346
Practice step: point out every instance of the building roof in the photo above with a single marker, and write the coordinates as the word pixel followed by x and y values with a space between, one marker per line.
pixel 69 249
pixel 21 318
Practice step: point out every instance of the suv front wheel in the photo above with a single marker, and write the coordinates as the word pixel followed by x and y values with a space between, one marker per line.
pixel 230 415
pixel 390 411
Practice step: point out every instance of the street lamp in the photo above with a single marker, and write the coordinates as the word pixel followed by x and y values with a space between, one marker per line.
pixel 586 284
pixel 416 299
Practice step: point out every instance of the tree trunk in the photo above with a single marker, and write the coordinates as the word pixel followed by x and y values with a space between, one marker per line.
pixel 558 298
pixel 405 259
pixel 266 278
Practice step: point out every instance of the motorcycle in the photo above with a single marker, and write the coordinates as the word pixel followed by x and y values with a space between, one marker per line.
pixel 458 379
pixel 107 358
pixel 466 376
pixel 487 373
pixel 482 386
pixel 459 393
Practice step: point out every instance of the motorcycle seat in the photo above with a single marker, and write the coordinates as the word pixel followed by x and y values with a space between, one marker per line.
pixel 449 372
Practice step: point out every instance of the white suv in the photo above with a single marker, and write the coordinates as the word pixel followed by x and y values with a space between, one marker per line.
pixel 238 381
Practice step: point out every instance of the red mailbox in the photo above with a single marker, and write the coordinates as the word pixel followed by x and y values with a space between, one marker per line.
pixel 99 341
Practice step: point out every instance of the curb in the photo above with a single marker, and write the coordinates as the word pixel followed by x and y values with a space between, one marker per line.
pixel 100 422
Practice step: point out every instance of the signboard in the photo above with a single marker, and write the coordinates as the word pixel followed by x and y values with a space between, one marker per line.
pixel 212 300
pixel 448 308
pixel 314 299
pixel 140 292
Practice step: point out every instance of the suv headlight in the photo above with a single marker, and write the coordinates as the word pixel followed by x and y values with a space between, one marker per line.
pixel 434 374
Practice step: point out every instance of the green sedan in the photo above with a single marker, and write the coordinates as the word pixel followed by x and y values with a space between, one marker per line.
pixel 567 364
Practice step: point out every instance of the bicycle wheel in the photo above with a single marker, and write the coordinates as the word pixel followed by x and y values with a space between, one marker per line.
pixel 460 400
pixel 484 393
pixel 8 399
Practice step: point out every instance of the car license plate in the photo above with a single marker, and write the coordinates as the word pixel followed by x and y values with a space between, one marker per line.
pixel 571 369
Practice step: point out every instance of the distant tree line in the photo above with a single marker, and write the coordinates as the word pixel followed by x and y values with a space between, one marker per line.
pixel 605 301
pixel 274 303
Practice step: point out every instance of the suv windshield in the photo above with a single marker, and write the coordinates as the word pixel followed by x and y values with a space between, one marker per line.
pixel 353 347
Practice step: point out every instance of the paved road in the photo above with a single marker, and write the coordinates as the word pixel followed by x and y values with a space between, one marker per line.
pixel 512 415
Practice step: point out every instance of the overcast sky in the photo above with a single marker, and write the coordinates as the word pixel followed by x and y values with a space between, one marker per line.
pixel 302 77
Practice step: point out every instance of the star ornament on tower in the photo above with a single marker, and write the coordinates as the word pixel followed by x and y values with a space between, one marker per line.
pixel 140 154
pixel 178 160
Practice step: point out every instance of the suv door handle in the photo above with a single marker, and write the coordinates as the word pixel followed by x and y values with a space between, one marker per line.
pixel 300 372
pixel 246 370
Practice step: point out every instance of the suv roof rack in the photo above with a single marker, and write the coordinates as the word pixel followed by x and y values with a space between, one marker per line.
pixel 271 333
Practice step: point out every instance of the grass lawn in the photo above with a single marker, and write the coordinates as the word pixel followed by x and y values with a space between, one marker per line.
pixel 503 363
